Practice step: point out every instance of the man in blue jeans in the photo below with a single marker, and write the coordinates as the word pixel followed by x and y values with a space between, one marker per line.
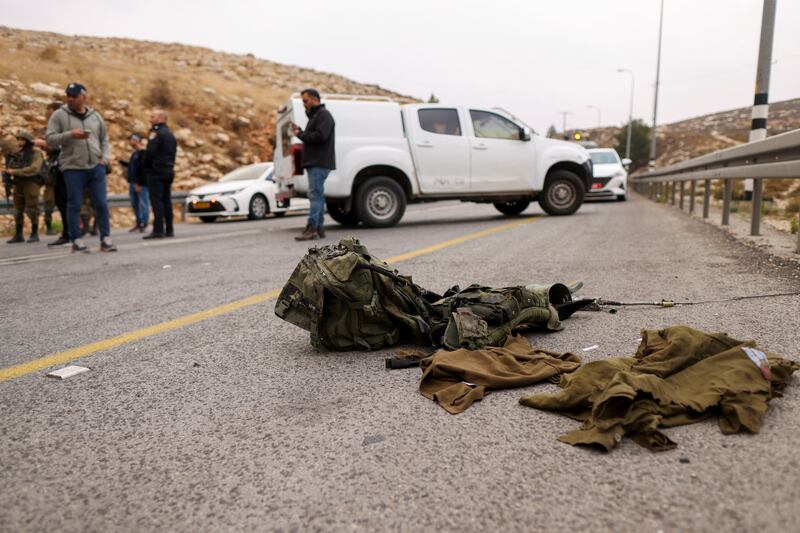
pixel 80 133
pixel 137 183
pixel 319 159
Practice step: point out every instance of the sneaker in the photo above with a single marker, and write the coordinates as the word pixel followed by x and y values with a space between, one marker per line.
pixel 107 246
pixel 137 227
pixel 58 242
pixel 169 234
pixel 153 236
pixel 79 246
pixel 33 238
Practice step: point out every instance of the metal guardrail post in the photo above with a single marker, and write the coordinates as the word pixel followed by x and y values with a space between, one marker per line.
pixel 692 193
pixel 758 193
pixel 706 198
pixel 674 189
pixel 726 202
pixel 683 192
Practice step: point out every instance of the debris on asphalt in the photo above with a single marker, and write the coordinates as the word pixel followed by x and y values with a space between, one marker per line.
pixel 592 347
pixel 684 460
pixel 373 439
pixel 348 299
pixel 67 372
pixel 166 267
pixel 456 379
pixel 678 376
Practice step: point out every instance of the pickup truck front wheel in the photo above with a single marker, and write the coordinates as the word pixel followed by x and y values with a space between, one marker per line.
pixel 380 202
pixel 563 193
pixel 512 207
pixel 341 215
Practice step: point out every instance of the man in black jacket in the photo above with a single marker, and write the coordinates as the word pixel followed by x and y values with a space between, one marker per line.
pixel 160 170
pixel 318 160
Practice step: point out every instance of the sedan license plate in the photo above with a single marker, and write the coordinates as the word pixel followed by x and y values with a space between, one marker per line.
pixel 202 205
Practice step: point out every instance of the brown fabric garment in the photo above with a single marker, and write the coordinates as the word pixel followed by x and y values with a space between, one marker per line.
pixel 457 379
pixel 679 376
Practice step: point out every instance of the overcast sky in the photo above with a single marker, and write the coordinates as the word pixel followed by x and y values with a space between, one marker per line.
pixel 532 57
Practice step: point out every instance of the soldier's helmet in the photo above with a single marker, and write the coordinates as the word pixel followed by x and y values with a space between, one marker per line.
pixel 22 134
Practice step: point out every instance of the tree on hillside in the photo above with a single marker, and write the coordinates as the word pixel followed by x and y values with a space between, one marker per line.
pixel 552 133
pixel 640 143
pixel 433 99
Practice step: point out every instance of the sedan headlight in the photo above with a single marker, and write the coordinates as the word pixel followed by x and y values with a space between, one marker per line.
pixel 619 174
pixel 229 193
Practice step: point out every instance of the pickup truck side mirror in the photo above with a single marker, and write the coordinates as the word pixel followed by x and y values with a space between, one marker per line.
pixel 524 134
pixel 626 162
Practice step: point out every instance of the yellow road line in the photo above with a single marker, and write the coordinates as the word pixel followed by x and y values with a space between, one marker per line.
pixel 72 354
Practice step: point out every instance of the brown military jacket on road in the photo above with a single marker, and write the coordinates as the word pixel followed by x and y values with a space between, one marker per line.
pixel 678 376
pixel 457 379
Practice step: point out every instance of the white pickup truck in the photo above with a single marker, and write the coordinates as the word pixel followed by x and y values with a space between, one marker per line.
pixel 389 155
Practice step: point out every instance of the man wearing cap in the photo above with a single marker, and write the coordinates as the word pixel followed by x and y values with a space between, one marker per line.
pixel 80 133
pixel 160 170
pixel 137 186
pixel 24 168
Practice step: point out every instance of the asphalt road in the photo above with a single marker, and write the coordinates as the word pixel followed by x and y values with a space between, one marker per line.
pixel 234 423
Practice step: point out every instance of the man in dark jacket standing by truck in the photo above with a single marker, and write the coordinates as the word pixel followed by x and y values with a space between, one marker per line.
pixel 318 160
pixel 159 164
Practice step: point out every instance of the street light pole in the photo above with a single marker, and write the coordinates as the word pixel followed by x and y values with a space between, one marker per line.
pixel 655 98
pixel 630 114
pixel 564 121
pixel 599 116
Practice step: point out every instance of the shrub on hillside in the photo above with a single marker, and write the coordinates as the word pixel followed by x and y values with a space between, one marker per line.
pixel 50 53
pixel 160 95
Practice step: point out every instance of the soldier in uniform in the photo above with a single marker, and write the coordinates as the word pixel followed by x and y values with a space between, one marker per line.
pixel 55 190
pixel 24 168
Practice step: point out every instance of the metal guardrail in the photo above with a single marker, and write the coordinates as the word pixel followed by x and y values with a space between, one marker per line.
pixel 114 201
pixel 775 157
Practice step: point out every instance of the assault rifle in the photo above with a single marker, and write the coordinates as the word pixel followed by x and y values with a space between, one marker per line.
pixel 8 182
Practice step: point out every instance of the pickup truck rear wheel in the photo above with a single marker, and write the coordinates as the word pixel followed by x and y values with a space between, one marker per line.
pixel 341 215
pixel 380 202
pixel 512 207
pixel 563 193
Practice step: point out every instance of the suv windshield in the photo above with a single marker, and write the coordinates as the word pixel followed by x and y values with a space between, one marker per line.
pixel 251 172
pixel 604 158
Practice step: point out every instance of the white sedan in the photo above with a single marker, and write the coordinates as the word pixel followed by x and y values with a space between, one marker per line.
pixel 610 178
pixel 247 191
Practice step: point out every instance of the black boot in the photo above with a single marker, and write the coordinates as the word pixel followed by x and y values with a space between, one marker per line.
pixel 17 235
pixel 48 227
pixel 34 233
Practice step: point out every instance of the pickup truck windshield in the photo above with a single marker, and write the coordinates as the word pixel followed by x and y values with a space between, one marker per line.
pixel 493 126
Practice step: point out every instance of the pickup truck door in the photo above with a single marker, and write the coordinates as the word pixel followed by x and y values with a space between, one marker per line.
pixel 440 149
pixel 501 159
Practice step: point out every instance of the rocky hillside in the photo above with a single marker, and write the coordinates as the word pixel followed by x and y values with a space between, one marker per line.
pixel 222 107
pixel 700 135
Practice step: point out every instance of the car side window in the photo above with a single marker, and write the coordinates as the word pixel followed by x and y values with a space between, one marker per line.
pixel 493 126
pixel 440 121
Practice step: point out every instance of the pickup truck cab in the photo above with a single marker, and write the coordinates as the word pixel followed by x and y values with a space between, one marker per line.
pixel 389 155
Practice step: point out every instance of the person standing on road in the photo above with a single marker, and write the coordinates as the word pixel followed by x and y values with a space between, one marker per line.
pixel 137 185
pixel 160 170
pixel 318 160
pixel 24 168
pixel 59 188
pixel 80 133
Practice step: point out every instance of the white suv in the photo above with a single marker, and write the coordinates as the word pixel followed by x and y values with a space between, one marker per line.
pixel 610 179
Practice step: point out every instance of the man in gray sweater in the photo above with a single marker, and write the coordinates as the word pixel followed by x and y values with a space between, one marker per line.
pixel 80 133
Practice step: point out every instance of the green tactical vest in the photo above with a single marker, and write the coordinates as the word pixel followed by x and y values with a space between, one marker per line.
pixel 348 299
